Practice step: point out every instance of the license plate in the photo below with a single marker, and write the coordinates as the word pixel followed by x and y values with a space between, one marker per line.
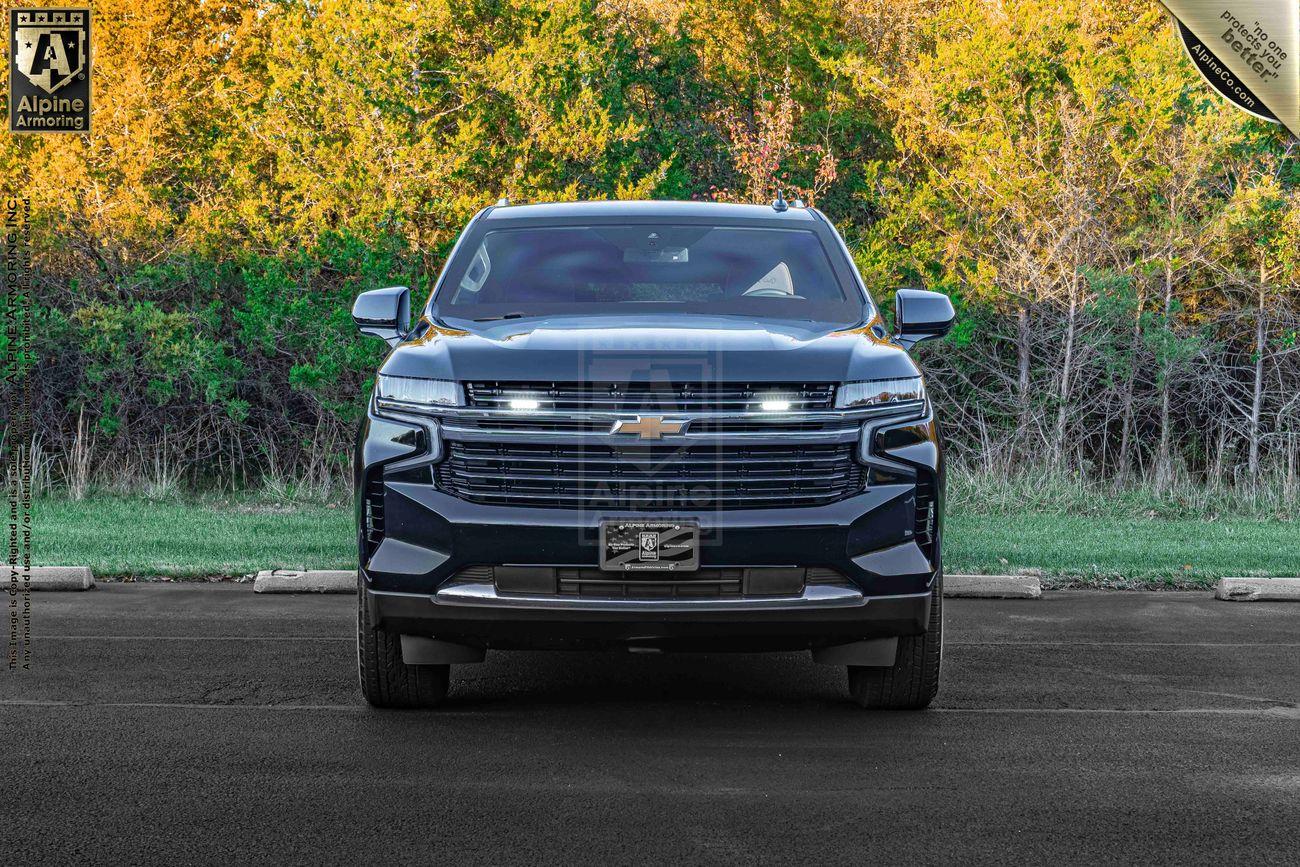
pixel 649 546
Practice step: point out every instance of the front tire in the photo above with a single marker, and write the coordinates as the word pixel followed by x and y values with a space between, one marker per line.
pixel 386 681
pixel 912 681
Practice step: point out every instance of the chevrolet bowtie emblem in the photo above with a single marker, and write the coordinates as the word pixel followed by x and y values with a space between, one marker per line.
pixel 649 427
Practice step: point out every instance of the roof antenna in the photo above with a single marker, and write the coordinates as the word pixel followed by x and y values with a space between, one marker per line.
pixel 779 204
pixel 798 203
pixel 503 201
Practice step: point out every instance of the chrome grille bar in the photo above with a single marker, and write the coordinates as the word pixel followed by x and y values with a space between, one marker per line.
pixel 650 397
pixel 539 426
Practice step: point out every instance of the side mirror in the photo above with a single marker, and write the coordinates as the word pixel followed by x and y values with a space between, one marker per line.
pixel 384 313
pixel 920 315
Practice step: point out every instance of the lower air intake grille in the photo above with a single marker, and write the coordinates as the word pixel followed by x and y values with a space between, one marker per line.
pixel 704 584
pixel 708 583
pixel 925 512
pixel 650 477
pixel 373 513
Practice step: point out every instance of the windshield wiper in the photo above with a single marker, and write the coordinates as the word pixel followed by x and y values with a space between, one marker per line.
pixel 502 316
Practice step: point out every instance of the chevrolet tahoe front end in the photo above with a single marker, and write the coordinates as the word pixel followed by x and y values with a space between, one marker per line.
pixel 650 426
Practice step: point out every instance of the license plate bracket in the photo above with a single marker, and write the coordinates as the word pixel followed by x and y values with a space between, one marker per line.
pixel 649 546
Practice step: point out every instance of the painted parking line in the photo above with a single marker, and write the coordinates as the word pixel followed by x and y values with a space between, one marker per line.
pixel 1279 711
pixel 349 638
pixel 947 643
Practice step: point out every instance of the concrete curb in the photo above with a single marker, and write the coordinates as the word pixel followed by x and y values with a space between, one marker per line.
pixel 53 578
pixel 1258 590
pixel 305 581
pixel 992 586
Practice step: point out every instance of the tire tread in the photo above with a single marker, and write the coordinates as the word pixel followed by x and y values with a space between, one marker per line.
pixel 386 681
pixel 913 680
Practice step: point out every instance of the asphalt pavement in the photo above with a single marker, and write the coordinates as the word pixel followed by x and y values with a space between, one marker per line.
pixel 203 723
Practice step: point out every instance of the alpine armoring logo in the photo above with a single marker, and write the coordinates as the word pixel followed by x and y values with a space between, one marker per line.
pixel 49 70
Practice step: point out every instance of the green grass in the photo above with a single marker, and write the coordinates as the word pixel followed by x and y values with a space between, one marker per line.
pixel 1120 550
pixel 118 535
pixel 130 536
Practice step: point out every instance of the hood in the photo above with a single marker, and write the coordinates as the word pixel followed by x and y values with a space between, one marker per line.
pixel 648 348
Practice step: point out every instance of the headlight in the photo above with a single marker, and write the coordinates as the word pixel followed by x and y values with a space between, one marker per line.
pixel 407 392
pixel 876 392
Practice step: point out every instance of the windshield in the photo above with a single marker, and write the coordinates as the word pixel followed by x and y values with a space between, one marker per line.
pixel 621 269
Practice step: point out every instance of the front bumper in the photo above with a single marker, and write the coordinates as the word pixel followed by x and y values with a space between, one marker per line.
pixel 476 615
pixel 420 574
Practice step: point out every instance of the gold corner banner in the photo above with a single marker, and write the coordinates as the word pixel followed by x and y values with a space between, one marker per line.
pixel 1248 50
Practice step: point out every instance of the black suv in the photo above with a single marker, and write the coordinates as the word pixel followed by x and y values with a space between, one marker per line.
pixel 649 425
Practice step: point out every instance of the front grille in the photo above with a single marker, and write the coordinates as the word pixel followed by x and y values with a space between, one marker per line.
pixel 651 396
pixel 650 477
pixel 702 584
pixel 707 583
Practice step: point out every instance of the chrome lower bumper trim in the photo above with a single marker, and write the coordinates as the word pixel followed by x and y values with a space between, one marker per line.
pixel 486 596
